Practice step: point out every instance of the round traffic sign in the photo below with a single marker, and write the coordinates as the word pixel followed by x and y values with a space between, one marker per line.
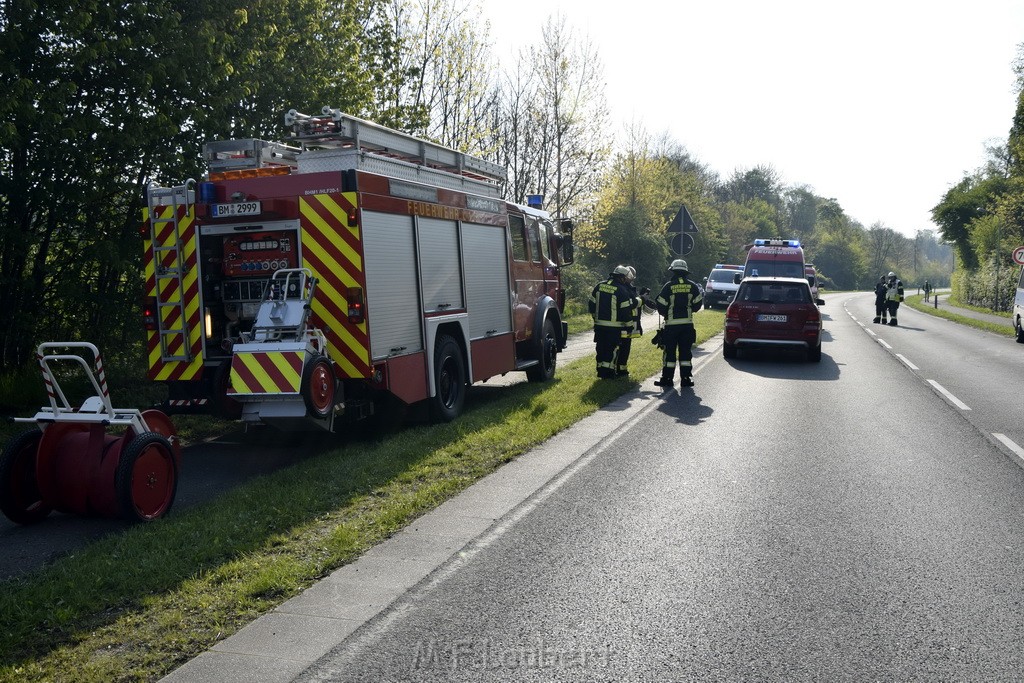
pixel 1018 255
pixel 681 243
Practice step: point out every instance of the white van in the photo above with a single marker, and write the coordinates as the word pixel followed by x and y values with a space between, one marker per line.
pixel 1018 308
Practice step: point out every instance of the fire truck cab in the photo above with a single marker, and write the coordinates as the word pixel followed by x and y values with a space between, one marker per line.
pixel 415 276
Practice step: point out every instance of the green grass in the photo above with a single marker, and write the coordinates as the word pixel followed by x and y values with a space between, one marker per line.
pixel 135 605
pixel 917 303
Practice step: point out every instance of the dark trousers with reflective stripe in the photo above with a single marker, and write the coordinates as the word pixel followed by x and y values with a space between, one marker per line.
pixel 893 306
pixel 622 355
pixel 607 340
pixel 678 340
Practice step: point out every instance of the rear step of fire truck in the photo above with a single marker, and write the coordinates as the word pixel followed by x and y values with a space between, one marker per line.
pixel 281 373
pixel 165 230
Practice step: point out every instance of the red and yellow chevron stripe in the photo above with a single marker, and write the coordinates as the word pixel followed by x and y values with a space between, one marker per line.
pixel 166 289
pixel 332 249
pixel 257 373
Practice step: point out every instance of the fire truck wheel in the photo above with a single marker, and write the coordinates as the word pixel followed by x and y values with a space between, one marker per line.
pixel 545 370
pixel 146 478
pixel 449 380
pixel 319 387
pixel 20 499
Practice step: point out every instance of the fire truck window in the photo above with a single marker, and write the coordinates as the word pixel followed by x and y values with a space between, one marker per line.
pixel 534 231
pixel 516 228
pixel 545 239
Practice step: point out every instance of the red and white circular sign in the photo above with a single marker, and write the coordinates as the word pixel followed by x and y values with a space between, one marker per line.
pixel 1018 255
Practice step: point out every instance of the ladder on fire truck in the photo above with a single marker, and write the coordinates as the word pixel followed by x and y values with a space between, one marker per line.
pixel 169 266
pixel 334 129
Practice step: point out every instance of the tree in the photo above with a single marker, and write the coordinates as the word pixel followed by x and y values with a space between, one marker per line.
pixel 102 97
pixel 446 75
pixel 571 115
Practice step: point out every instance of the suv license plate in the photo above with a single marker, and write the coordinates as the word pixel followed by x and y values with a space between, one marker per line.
pixel 770 318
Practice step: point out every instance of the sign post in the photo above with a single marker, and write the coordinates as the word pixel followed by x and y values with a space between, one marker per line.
pixel 681 232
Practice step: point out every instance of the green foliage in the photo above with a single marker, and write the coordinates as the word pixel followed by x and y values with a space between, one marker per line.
pixel 970 199
pixel 841 259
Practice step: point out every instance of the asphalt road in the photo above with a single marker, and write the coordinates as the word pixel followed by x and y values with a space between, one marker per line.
pixel 781 521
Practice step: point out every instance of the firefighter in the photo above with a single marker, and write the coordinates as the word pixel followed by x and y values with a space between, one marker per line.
pixel 893 296
pixel 679 299
pixel 611 304
pixel 635 329
pixel 880 308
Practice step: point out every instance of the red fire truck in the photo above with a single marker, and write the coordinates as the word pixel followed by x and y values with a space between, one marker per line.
pixel 301 284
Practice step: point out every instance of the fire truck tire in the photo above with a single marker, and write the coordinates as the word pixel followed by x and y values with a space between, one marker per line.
pixel 319 387
pixel 20 499
pixel 146 479
pixel 225 407
pixel 728 350
pixel 449 380
pixel 545 370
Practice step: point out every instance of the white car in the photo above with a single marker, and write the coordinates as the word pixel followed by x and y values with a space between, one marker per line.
pixel 720 286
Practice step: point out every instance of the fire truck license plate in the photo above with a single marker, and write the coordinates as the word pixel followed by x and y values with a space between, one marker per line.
pixel 237 209
pixel 770 318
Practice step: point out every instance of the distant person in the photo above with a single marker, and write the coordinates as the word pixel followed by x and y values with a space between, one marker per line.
pixel 893 296
pixel 927 289
pixel 612 305
pixel 678 300
pixel 880 306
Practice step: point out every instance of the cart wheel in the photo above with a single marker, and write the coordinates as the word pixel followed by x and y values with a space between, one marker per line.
pixel 146 478
pixel 20 499
pixel 318 387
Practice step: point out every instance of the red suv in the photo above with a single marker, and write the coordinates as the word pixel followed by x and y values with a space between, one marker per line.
pixel 773 312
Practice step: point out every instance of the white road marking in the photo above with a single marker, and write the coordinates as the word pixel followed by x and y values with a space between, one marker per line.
pixel 952 399
pixel 908 363
pixel 872 333
pixel 1009 443
pixel 884 343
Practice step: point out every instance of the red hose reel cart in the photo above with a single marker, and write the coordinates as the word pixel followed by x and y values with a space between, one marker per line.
pixel 71 464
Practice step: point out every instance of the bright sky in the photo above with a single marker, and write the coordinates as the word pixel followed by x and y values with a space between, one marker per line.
pixel 881 104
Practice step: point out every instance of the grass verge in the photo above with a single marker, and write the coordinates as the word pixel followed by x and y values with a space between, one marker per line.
pixel 136 605
pixel 917 303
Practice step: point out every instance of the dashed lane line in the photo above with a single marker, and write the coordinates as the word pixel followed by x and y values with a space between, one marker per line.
pixel 1009 443
pixel 907 362
pixel 945 392
pixel 885 344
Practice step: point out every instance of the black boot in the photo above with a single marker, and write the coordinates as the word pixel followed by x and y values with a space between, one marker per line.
pixel 877 319
pixel 892 323
pixel 663 382
pixel 686 382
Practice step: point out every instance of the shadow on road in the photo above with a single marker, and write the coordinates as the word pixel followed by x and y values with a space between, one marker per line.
pixel 685 406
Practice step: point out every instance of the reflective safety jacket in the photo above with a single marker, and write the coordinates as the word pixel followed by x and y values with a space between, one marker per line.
pixel 894 291
pixel 612 304
pixel 679 300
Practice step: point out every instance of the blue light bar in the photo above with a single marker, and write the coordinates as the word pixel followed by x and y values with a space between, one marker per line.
pixel 776 243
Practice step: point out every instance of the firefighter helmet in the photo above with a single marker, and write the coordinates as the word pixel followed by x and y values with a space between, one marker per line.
pixel 632 273
pixel 892 274
pixel 621 270
pixel 679 264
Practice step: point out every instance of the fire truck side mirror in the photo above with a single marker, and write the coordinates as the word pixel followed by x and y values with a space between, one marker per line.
pixel 565 227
